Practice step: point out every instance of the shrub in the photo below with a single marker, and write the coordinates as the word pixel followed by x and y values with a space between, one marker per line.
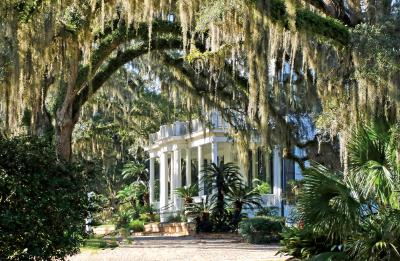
pixel 43 202
pixel 303 243
pixel 123 217
pixel 261 230
pixel 136 225
pixel 144 217
pixel 262 187
pixel 174 219
pixel 268 211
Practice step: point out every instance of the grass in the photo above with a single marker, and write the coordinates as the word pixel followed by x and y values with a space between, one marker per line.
pixel 98 243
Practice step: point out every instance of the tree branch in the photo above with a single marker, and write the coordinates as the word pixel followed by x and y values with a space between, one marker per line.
pixel 112 39
pixel 121 59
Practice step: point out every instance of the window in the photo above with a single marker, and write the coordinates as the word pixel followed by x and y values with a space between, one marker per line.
pixel 264 164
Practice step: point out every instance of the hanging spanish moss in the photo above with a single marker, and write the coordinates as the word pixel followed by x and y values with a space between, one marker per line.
pixel 267 61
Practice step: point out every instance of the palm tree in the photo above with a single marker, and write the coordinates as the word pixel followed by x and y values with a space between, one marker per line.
pixel 241 197
pixel 187 193
pixel 138 173
pixel 222 178
pixel 201 214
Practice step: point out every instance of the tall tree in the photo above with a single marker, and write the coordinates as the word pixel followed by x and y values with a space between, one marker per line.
pixel 286 59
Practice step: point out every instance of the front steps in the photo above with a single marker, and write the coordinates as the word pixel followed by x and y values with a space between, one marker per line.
pixel 168 229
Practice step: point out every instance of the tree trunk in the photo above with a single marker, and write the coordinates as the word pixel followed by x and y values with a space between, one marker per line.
pixel 64 139
pixel 65 123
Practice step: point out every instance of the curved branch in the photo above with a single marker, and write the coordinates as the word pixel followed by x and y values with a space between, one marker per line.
pixel 111 39
pixel 121 59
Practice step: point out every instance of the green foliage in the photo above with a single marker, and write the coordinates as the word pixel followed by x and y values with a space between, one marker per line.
pixel 268 211
pixel 357 215
pixel 378 239
pixel 99 243
pixel 222 178
pixel 26 118
pixel 26 9
pixel 133 194
pixel 302 243
pixel 201 214
pixel 136 225
pixel 239 198
pixel 278 13
pixel 222 211
pixel 43 202
pixel 373 162
pixel 213 12
pixel 326 27
pixel 327 203
pixel 261 230
pixel 73 18
pixel 187 193
pixel 124 216
pixel 261 187
pixel 379 47
pixel 136 171
pixel 175 218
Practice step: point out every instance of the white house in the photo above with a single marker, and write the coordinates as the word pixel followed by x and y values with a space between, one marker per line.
pixel 176 146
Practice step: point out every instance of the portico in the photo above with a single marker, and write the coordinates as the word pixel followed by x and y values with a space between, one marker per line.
pixel 181 152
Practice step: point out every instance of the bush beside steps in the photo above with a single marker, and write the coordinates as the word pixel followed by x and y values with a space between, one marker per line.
pixel 261 230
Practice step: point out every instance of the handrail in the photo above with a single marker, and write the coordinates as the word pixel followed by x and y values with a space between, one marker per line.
pixel 166 207
pixel 182 128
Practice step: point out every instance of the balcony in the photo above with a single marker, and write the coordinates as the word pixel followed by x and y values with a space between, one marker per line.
pixel 215 122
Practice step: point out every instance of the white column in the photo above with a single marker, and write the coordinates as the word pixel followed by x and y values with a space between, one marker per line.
pixel 214 153
pixel 177 178
pixel 163 184
pixel 214 159
pixel 254 164
pixel 172 180
pixel 151 181
pixel 277 166
pixel 228 153
pixel 188 167
pixel 267 164
pixel 200 169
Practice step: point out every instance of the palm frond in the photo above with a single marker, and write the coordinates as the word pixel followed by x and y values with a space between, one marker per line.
pixel 326 203
pixel 374 162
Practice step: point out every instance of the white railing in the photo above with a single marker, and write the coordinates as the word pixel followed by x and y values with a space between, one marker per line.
pixel 178 128
pixel 271 200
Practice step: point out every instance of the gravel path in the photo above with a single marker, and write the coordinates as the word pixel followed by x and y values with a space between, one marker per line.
pixel 182 248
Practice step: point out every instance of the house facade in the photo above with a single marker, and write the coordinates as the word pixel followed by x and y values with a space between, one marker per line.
pixel 178 154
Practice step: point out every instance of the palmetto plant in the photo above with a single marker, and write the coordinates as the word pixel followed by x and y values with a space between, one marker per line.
pixel 132 193
pixel 135 171
pixel 374 163
pixel 359 210
pixel 187 193
pixel 326 202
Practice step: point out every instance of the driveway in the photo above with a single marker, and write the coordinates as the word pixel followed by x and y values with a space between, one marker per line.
pixel 183 248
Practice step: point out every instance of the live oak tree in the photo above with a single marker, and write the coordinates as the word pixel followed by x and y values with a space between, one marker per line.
pixel 265 64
